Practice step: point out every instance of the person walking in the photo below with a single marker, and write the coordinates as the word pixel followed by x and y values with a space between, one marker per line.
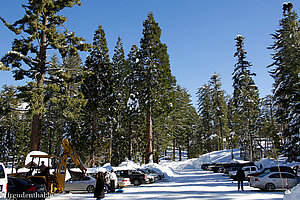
pixel 240 176
pixel 99 190
pixel 107 182
pixel 113 181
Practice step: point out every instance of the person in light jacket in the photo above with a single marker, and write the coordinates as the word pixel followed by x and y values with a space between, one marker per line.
pixel 113 181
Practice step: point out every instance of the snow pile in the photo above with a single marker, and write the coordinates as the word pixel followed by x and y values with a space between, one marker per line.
pixel 106 167
pixel 294 194
pixel 269 162
pixel 130 164
pixel 224 156
pixel 168 172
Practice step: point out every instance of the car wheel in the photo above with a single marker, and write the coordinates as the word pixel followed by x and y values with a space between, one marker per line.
pixel 270 187
pixel 136 182
pixel 90 189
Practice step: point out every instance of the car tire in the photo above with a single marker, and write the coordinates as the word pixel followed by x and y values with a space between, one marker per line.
pixel 90 189
pixel 135 182
pixel 270 187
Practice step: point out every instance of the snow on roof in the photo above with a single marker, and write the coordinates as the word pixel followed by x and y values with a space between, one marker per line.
pixel 90 170
pixel 36 160
pixel 123 168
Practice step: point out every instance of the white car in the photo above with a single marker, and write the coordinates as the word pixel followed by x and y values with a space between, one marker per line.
pixel 86 184
pixel 247 170
pixel 273 181
pixel 123 182
pixel 3 182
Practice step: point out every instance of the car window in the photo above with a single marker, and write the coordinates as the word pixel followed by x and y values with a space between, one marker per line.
pixel 253 169
pixel 86 178
pixel 2 174
pixel 247 169
pixel 284 175
pixel 274 175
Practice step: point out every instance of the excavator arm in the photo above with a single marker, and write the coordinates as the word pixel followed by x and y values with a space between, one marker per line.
pixel 69 151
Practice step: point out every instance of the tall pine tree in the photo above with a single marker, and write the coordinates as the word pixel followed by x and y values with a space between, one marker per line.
pixel 97 88
pixel 219 111
pixel 157 77
pixel 40 30
pixel 285 71
pixel 246 100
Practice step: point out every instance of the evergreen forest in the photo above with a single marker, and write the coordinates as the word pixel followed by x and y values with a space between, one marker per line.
pixel 129 106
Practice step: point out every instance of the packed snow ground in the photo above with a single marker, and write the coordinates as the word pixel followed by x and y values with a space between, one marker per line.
pixel 186 180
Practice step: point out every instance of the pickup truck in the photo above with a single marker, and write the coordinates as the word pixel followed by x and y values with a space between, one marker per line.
pixel 136 177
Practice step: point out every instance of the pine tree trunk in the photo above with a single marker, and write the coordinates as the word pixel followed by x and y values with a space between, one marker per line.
pixel 130 132
pixel 94 124
pixel 174 148
pixel 188 147
pixel 157 154
pixel 39 76
pixel 149 138
pixel 110 143
pixel 180 158
pixel 36 132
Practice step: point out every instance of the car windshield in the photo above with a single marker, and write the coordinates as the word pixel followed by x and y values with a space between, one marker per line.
pixel 21 182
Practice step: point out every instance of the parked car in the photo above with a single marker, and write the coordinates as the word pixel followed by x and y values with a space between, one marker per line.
pixel 123 182
pixel 272 181
pixel 3 182
pixel 206 165
pixel 136 177
pixel 22 189
pixel 150 178
pixel 232 172
pixel 159 173
pixel 247 170
pixel 86 184
pixel 274 169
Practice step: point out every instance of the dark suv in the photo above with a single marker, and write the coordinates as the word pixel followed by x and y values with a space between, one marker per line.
pixel 136 177
pixel 274 169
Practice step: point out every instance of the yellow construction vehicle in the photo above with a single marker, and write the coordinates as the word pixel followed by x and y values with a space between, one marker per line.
pixel 55 181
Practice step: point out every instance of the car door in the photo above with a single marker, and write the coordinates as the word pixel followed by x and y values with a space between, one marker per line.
pixel 275 179
pixel 71 185
pixel 289 180
pixel 82 184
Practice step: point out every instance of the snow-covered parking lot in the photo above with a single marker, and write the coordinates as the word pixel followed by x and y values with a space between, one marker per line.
pixel 186 184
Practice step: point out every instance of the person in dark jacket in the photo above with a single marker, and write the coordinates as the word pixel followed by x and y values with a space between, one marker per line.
pixel 240 176
pixel 99 190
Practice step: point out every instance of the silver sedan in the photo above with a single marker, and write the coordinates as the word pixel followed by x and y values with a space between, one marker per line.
pixel 86 184
pixel 273 181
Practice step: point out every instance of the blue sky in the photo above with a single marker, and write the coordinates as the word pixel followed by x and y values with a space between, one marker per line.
pixel 199 34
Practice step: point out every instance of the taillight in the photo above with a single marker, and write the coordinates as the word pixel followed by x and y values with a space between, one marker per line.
pixel 256 179
pixel 32 188
pixel 124 180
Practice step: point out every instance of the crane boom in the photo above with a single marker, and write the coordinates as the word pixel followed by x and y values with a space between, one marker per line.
pixel 69 151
